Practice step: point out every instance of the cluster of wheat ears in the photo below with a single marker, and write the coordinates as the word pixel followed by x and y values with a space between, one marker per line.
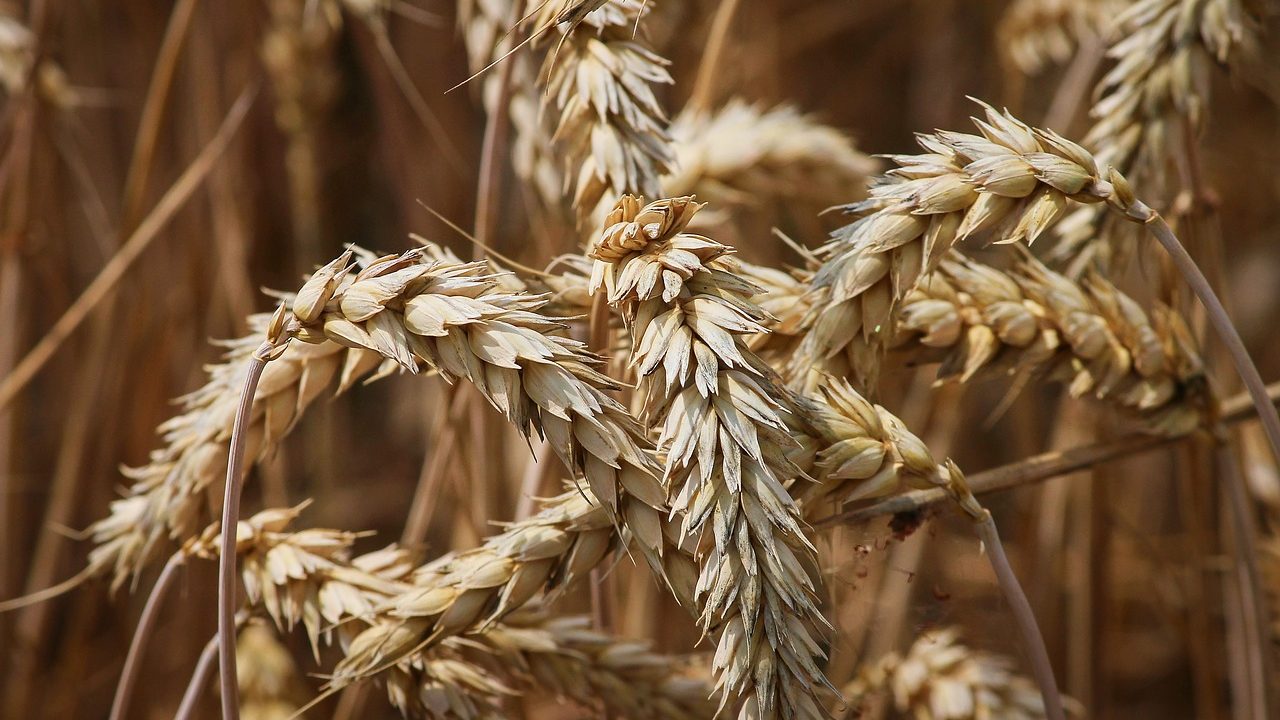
pixel 719 424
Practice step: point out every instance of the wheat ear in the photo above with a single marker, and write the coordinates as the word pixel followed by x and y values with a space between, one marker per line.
pixel 307 577
pixel 776 160
pixel 725 444
pixel 1164 52
pixel 600 78
pixel 976 320
pixel 941 679
pixel 1034 34
pixel 1007 185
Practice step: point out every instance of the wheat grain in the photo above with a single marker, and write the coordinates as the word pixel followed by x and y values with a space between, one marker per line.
pixel 1007 185
pixel 975 319
pixel 608 122
pixel 1164 52
pixel 726 447
pixel 941 679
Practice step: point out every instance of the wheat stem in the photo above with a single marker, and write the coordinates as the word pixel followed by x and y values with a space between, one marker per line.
pixel 146 625
pixel 1219 319
pixel 1032 641
pixel 199 678
pixel 230 519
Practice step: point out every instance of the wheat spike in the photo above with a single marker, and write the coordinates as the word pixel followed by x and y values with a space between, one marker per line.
pixel 1164 51
pixel 1035 34
pixel 1007 185
pixel 941 679
pixel 600 78
pixel 774 162
pixel 726 447
pixel 17 53
pixel 975 319
pixel 308 577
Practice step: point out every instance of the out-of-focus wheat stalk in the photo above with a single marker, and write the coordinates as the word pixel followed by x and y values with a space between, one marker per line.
pixel 725 444
pixel 941 679
pixel 1158 89
pixel 771 163
pixel 1035 34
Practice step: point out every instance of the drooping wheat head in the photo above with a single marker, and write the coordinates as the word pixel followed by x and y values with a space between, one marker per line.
pixel 600 79
pixel 720 428
pixel 1007 185
pixel 975 320
pixel 1035 34
pixel 1158 90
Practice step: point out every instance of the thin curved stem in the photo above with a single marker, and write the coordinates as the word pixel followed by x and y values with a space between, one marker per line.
pixel 227 552
pixel 146 625
pixel 1223 326
pixel 199 679
pixel 1029 630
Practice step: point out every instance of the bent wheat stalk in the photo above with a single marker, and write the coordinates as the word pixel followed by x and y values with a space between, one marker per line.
pixel 725 444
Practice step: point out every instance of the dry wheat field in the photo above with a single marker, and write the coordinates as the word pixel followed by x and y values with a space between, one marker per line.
pixel 769 359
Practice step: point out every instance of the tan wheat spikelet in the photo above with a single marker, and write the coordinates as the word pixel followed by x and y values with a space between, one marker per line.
pixel 726 447
pixel 974 319
pixel 1007 185
pixel 600 78
pixel 773 163
pixel 563 655
pixel 941 679
pixel 1164 52
pixel 1035 34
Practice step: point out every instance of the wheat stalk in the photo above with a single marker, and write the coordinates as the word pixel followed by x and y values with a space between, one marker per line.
pixel 600 78
pixel 941 679
pixel 726 447
pixel 484 24
pixel 1164 52
pixel 975 319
